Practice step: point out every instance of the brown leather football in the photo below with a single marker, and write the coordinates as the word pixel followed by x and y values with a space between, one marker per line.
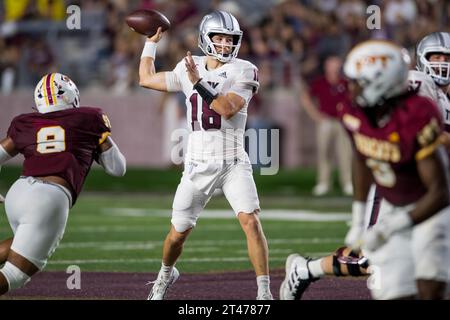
pixel 146 22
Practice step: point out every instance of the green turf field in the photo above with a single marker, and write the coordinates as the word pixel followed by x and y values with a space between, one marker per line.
pixel 117 231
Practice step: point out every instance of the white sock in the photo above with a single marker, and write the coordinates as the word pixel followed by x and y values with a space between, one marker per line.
pixel 263 283
pixel 315 268
pixel 165 271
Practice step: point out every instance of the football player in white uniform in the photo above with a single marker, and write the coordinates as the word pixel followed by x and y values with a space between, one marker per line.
pixel 218 88
pixel 432 80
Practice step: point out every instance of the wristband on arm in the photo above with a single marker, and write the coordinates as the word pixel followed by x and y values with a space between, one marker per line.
pixel 205 91
pixel 149 50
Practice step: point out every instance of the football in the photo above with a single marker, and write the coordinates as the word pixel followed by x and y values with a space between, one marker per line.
pixel 146 22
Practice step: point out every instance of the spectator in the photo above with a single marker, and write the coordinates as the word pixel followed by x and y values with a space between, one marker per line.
pixel 330 89
pixel 9 59
pixel 399 12
pixel 40 59
pixel 121 68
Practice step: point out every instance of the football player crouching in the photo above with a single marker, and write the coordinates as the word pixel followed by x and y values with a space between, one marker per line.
pixel 59 143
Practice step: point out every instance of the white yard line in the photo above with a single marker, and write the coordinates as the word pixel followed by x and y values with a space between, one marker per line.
pixel 158 260
pixel 270 214
pixel 125 245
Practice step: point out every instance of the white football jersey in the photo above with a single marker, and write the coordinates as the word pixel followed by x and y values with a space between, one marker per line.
pixel 426 87
pixel 212 137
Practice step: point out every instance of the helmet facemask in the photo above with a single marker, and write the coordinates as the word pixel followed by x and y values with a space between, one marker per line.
pixel 434 43
pixel 223 57
pixel 438 70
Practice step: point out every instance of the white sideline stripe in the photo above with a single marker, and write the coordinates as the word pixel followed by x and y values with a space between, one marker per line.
pixel 158 260
pixel 147 229
pixel 297 215
pixel 120 245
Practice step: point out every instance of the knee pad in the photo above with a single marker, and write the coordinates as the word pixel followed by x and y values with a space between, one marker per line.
pixel 16 278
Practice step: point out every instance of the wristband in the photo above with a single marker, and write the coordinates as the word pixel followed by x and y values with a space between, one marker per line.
pixel 206 91
pixel 149 50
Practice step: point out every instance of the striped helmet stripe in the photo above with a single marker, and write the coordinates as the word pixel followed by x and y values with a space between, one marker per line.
pixel 48 88
pixel 231 20
pixel 53 87
pixel 44 91
pixel 228 21
pixel 447 40
pixel 444 39
pixel 222 19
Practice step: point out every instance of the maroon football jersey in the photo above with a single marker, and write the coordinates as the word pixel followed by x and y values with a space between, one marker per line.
pixel 62 143
pixel 329 95
pixel 391 151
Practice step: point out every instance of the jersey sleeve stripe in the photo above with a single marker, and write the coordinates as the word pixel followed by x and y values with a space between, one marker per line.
pixel 104 136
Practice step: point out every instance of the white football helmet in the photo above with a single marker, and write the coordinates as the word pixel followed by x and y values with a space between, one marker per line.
pixel 56 92
pixel 436 42
pixel 219 22
pixel 381 70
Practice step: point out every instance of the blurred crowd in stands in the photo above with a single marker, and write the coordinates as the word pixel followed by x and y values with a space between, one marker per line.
pixel 287 39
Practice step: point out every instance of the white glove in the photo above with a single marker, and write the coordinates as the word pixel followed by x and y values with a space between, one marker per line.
pixel 357 229
pixel 378 235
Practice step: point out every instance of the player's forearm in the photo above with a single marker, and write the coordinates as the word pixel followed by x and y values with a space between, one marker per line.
pixel 225 107
pixel 112 160
pixel 437 197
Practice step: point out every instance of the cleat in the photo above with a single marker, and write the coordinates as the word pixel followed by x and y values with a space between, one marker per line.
pixel 297 279
pixel 160 285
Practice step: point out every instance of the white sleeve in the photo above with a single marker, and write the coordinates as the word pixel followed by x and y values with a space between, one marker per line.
pixel 173 79
pixel 4 156
pixel 113 161
pixel 423 84
pixel 246 84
